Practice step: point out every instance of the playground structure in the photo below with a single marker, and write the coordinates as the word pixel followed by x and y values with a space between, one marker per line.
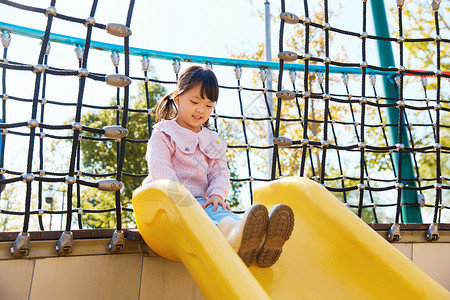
pixel 402 182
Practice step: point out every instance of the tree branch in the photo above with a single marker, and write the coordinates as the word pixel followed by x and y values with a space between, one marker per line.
pixel 443 21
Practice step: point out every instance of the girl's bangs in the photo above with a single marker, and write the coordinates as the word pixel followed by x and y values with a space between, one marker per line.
pixel 210 87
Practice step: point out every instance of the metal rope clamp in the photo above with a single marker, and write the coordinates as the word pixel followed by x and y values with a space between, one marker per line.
pixel 33 123
pixel 263 74
pixel 6 38
pixel 109 185
pixel 27 177
pixel 435 4
pixel 117 242
pixel 118 30
pixel 115 132
pixel 145 63
pixel 176 65
pixel 238 72
pixel 118 80
pixel 394 233
pixel 292 75
pixel 288 56
pixel 65 243
pixel 89 21
pixel 83 72
pixel 282 141
pixel 289 18
pixel 432 233
pixel 79 52
pixel 70 179
pixel 51 10
pixel 115 58
pixel 48 48
pixel 40 68
pixel 345 78
pixel 285 95
pixel 421 198
pixel 21 246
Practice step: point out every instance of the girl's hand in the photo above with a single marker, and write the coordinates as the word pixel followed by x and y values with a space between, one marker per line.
pixel 216 200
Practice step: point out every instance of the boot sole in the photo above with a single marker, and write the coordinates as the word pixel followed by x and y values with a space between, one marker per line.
pixel 253 233
pixel 279 230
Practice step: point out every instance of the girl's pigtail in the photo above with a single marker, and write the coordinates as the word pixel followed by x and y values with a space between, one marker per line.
pixel 165 108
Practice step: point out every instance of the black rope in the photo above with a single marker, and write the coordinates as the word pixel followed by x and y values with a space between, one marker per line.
pixel 124 118
pixel 438 201
pixel 302 124
pixel 33 116
pixel 306 97
pixel 147 100
pixel 411 139
pixel 247 149
pixel 373 37
pixel 280 79
pixel 3 138
pixel 118 144
pixel 23 7
pixel 359 183
pixel 325 96
pixel 344 194
pixel 400 121
pixel 41 143
pixel 362 162
pixel 269 119
pixel 76 133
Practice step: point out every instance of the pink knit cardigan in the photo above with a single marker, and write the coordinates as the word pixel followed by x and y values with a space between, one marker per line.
pixel 196 160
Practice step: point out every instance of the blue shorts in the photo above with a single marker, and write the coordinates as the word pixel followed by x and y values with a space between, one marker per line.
pixel 219 214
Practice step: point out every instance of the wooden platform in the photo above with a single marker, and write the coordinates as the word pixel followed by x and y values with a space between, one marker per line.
pixel 92 272
pixel 133 234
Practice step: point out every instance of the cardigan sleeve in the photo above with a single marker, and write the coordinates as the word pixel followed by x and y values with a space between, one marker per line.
pixel 159 154
pixel 219 177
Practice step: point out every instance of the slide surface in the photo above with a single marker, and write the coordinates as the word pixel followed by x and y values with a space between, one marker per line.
pixel 332 254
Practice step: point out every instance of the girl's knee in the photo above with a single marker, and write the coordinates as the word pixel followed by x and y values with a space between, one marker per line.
pixel 210 210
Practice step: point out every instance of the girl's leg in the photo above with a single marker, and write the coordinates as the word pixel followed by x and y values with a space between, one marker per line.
pixel 244 235
pixel 279 229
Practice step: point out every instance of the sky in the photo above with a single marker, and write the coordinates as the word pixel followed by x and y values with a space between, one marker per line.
pixel 198 27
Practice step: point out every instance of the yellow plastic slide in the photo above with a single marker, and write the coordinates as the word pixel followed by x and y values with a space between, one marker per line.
pixel 332 254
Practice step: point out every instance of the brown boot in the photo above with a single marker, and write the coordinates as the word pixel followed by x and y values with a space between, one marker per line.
pixel 279 229
pixel 246 235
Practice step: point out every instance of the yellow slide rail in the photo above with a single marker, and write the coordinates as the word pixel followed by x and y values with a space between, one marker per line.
pixel 332 254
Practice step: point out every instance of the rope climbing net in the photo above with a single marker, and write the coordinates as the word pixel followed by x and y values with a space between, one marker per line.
pixel 407 183
pixel 328 136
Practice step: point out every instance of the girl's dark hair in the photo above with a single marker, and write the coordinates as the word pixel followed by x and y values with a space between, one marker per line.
pixel 165 108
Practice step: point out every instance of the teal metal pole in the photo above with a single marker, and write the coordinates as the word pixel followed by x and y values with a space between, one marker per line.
pixel 69 40
pixel 411 214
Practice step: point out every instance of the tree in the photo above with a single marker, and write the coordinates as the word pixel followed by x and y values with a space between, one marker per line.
pixel 419 22
pixel 10 198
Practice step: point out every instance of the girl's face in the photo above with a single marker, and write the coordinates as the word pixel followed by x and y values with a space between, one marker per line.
pixel 193 110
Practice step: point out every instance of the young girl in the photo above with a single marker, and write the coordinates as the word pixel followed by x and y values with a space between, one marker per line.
pixel 183 149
